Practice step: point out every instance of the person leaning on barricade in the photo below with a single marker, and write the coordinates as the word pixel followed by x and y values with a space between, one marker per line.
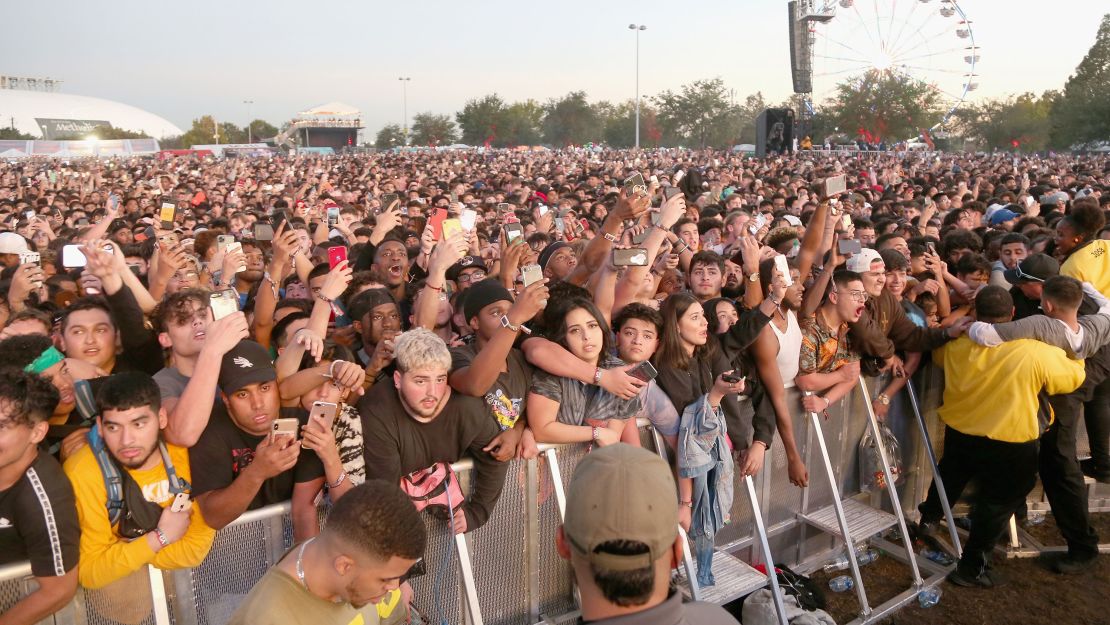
pixel 620 536
pixel 132 488
pixel 38 519
pixel 351 572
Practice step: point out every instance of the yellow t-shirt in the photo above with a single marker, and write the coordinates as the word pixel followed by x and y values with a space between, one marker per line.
pixel 992 391
pixel 1090 263
pixel 278 599
pixel 105 557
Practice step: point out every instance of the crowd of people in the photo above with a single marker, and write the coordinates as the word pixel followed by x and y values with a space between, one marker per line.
pixel 186 341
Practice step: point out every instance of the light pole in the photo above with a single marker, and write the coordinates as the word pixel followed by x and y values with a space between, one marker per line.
pixel 405 106
pixel 637 28
pixel 248 103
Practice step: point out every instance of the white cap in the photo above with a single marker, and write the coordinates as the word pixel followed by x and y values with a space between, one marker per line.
pixel 861 263
pixel 12 243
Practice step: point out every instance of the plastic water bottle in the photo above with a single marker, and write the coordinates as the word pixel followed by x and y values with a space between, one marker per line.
pixel 841 583
pixel 863 557
pixel 929 597
pixel 939 557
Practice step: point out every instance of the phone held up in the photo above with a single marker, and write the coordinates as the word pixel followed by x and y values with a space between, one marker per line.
pixel 223 303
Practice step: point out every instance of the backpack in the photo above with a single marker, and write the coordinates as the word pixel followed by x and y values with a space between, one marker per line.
pixel 128 510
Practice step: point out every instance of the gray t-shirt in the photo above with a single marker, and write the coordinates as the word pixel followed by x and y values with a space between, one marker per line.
pixel 171 382
pixel 579 401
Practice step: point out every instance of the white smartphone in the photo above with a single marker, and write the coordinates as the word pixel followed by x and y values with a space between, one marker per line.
pixel 784 269
pixel 468 218
pixel 236 246
pixel 72 256
pixel 531 273
pixel 223 303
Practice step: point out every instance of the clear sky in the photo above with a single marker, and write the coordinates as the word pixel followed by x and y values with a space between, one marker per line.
pixel 182 60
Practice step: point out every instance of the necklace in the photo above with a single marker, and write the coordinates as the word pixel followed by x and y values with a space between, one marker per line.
pixel 300 563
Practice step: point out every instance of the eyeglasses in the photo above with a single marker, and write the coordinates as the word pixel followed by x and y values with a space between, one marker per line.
pixel 474 276
pixel 859 296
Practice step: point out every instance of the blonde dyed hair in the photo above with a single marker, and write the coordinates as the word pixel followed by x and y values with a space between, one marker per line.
pixel 420 348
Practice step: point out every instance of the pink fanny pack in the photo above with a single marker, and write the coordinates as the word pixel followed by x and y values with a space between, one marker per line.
pixel 436 486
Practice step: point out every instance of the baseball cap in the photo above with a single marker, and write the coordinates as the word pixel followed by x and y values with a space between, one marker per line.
pixel 1033 268
pixel 12 243
pixel 466 262
pixel 1002 215
pixel 549 251
pixel 621 492
pixel 247 363
pixel 861 263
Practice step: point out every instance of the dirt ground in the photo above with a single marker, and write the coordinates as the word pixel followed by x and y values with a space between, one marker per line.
pixel 1031 595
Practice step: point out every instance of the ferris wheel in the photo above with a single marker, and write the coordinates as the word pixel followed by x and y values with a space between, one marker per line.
pixel 929 42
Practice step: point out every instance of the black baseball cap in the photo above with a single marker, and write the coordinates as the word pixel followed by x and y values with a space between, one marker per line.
pixel 1034 268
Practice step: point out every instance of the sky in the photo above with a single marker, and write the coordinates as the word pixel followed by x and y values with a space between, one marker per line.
pixel 184 60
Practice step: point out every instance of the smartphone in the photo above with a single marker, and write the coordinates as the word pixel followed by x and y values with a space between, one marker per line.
pixel 167 215
pixel 929 245
pixel 263 232
pixel 757 223
pixel 113 201
pixel 635 185
pixel 513 232
pixel 284 427
pixel 436 221
pixel 387 200
pixel 845 222
pixel 784 269
pixel 180 503
pixel 223 303
pixel 670 192
pixel 543 210
pixel 222 241
pixel 323 413
pixel 468 218
pixel 731 378
pixel 836 184
pixel 72 257
pixel 848 246
pixel 638 239
pixel 29 215
pixel 333 216
pixel 531 273
pixel 277 218
pixel 30 258
pixel 336 255
pixel 503 207
pixel 450 227
pixel 643 371
pixel 82 222
pixel 631 257
pixel 560 227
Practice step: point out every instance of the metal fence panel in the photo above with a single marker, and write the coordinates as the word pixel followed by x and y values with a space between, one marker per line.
pixel 498 551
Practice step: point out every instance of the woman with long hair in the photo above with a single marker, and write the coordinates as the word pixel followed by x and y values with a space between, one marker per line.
pixel 565 410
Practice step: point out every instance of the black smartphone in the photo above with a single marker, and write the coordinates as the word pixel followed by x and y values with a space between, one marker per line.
pixel 643 371
pixel 630 257
pixel 635 185
pixel 387 200
pixel 731 378
pixel 263 232
pixel 277 218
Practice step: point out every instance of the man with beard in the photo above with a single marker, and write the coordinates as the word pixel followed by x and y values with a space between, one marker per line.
pixel 351 572
pixel 149 530
pixel 376 318
pixel 413 423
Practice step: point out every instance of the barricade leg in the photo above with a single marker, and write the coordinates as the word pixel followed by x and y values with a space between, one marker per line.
pixel 838 507
pixel 891 489
pixel 466 575
pixel 939 483
pixel 765 546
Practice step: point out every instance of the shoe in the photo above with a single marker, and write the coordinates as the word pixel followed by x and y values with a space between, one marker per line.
pixel 926 532
pixel 985 578
pixel 1090 469
pixel 1074 565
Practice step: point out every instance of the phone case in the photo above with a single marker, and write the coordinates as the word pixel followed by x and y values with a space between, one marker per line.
pixel 436 222
pixel 531 273
pixel 223 303
pixel 450 227
pixel 284 427
pixel 336 255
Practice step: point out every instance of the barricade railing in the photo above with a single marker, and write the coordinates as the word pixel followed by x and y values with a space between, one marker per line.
pixel 508 572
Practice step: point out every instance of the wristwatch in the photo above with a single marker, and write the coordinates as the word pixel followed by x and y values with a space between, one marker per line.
pixel 506 324
pixel 883 399
pixel 754 277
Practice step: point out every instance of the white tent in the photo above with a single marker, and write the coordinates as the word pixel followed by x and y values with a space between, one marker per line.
pixel 331 109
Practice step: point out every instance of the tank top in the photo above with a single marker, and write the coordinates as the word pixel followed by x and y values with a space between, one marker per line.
pixel 790 347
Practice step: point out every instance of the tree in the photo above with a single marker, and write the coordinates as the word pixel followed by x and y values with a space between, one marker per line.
pixel 700 115
pixel 478 119
pixel 571 120
pixel 390 136
pixel 520 124
pixel 1013 122
pixel 431 129
pixel 203 132
pixel 261 129
pixel 620 125
pixel 1082 113
pixel 14 135
pixel 884 106
pixel 233 133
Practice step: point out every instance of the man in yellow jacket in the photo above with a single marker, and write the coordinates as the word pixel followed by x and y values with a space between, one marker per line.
pixel 994 414
pixel 150 530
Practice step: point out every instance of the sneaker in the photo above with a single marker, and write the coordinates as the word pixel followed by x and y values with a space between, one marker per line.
pixel 985 578
pixel 1074 565
pixel 1089 468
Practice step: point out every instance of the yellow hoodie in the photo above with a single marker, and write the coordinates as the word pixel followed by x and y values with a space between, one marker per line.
pixel 1090 263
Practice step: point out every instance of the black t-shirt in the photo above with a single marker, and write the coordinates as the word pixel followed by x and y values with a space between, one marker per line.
pixel 397 444
pixel 223 451
pixel 506 397
pixel 38 520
